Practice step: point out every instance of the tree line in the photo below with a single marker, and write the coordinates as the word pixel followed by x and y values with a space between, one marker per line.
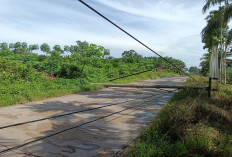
pixel 19 61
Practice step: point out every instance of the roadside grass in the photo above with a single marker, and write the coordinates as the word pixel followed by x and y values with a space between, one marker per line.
pixel 202 130
pixel 146 76
pixel 19 93
pixel 23 92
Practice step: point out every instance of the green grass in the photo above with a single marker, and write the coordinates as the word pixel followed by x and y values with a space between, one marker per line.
pixel 200 131
pixel 23 92
pixel 19 93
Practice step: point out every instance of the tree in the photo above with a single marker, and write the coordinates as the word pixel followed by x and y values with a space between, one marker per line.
pixel 24 47
pixel 66 48
pixel 33 47
pixel 3 46
pixel 58 48
pixel 226 11
pixel 86 53
pixel 216 33
pixel 106 53
pixel 130 53
pixel 18 47
pixel 205 64
pixel 90 50
pixel 15 47
pixel 131 56
pixel 4 50
pixel 194 70
pixel 45 48
pixel 11 46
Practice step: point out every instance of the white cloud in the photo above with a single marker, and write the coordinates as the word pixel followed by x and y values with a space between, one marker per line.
pixel 159 9
pixel 167 26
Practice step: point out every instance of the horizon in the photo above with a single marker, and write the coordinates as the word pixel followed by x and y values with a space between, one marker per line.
pixel 170 28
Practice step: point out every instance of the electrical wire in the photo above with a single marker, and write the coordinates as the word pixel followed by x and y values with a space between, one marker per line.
pixel 94 10
pixel 59 132
pixel 175 123
pixel 66 114
pixel 44 137
pixel 130 75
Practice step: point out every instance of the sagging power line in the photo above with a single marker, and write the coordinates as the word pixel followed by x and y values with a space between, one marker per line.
pixel 107 19
pixel 69 113
pixel 71 128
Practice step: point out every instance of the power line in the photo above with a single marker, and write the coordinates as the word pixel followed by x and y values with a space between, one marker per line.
pixel 175 123
pixel 59 132
pixel 44 137
pixel 131 75
pixel 139 106
pixel 135 38
pixel 73 112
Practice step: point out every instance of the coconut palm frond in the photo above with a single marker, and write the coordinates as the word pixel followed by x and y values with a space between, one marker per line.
pixel 212 31
pixel 229 37
pixel 228 13
pixel 210 3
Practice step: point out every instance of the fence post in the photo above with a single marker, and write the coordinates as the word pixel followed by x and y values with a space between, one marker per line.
pixel 210 87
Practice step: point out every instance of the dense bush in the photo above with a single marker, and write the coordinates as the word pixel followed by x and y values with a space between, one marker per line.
pixel 85 61
pixel 24 74
pixel 13 71
pixel 189 128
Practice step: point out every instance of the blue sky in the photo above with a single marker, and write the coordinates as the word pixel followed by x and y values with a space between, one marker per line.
pixel 170 27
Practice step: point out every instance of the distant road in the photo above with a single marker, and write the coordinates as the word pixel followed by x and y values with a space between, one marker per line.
pixel 107 130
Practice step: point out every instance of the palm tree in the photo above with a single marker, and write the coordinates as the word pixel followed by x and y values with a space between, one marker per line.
pixel 205 64
pixel 211 35
pixel 227 12
pixel 218 21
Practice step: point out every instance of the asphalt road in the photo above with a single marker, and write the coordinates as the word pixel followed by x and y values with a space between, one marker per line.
pixel 106 135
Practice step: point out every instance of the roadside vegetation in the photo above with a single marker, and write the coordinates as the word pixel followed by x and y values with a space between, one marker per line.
pixel 26 75
pixel 189 128
pixel 146 76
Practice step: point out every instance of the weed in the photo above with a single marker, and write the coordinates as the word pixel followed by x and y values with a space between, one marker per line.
pixel 205 130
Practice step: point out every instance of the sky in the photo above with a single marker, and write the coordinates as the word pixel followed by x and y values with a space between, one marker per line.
pixel 170 27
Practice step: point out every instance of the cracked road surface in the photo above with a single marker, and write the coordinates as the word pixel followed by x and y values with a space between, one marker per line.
pixel 104 137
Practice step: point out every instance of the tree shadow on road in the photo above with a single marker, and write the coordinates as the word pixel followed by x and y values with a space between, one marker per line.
pixel 107 135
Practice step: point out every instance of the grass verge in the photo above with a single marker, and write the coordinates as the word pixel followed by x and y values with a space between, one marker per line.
pixel 202 130
pixel 23 92
pixel 19 93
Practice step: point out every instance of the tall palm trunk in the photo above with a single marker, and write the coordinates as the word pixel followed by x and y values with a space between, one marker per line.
pixel 225 67
pixel 220 67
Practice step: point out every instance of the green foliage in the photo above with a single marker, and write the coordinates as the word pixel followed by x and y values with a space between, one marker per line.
pixel 45 48
pixel 229 75
pixel 69 70
pixel 194 70
pixel 217 35
pixel 21 70
pixel 205 64
pixel 12 71
pixel 131 56
pixel 29 91
pixel 146 76
pixel 33 47
pixel 4 53
pixel 204 130
pixel 3 46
